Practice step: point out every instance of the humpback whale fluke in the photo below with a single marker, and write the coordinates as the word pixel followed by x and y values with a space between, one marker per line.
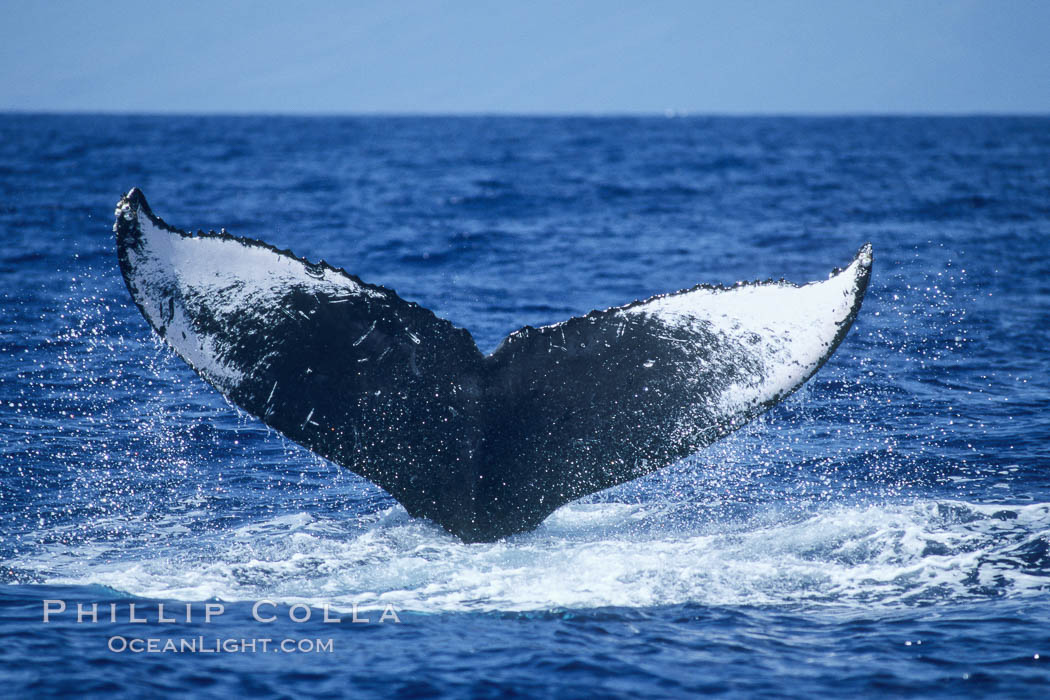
pixel 484 445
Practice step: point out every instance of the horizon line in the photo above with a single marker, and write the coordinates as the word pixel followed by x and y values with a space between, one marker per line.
pixel 537 114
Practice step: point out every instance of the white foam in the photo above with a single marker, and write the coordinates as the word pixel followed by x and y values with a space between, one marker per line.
pixel 587 556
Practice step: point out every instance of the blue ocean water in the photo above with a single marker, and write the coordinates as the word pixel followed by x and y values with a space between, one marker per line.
pixel 885 531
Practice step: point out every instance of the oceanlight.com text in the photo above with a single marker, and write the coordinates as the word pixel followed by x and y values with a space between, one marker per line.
pixel 215 645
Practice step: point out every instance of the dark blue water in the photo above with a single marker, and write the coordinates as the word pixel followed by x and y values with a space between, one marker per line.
pixel 885 531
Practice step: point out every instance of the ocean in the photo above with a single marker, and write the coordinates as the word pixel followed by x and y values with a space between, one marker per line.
pixel 883 532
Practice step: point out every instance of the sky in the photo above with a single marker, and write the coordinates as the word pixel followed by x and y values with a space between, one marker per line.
pixel 526 57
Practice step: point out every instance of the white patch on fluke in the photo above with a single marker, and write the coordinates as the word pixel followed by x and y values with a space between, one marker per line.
pixel 788 329
pixel 223 276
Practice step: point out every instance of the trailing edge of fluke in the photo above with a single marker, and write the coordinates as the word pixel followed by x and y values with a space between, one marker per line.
pixel 484 445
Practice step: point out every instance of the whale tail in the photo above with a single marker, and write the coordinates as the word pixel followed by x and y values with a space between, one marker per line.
pixel 484 445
